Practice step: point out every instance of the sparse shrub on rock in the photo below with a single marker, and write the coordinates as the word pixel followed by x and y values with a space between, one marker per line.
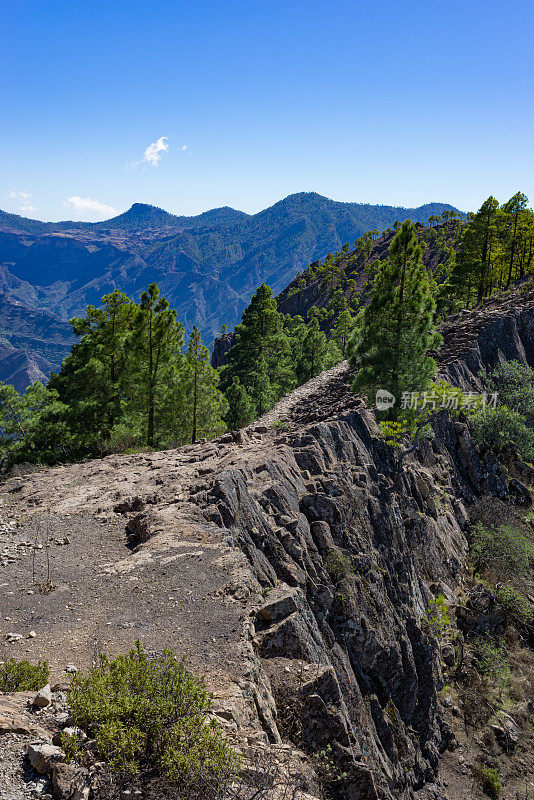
pixel 150 715
pixel 502 550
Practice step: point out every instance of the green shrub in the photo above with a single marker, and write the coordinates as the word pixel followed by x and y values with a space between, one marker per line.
pixel 489 778
pixel 438 619
pixel 496 428
pixel 514 383
pixel 151 714
pixel 21 676
pixel 500 549
pixel 492 661
pixel 337 565
pixel 515 605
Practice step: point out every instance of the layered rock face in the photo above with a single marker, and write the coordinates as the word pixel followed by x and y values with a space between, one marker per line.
pixel 347 549
pixel 334 554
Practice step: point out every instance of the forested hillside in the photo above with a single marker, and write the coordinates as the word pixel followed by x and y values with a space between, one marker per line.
pixel 128 381
pixel 207 266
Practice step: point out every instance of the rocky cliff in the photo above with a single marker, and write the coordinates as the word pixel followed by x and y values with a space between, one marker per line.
pixel 293 563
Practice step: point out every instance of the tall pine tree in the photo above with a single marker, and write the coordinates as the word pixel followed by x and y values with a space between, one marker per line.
pixel 92 378
pixel 204 405
pixel 261 355
pixel 398 324
pixel 154 359
pixel 240 405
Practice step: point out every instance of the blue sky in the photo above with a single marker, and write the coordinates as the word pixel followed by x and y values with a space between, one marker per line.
pixel 383 102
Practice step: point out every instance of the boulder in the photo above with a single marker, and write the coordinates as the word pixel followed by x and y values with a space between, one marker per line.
pixel 281 603
pixel 43 757
pixel 66 780
pixel 43 698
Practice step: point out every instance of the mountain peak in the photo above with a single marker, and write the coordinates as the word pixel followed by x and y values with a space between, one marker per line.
pixel 139 215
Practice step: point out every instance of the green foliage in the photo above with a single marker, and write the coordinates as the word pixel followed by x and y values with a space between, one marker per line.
pixel 261 356
pixel 338 566
pixel 31 428
pixel 514 383
pixel 492 661
pixel 151 713
pixel 395 431
pixel 240 405
pixel 496 247
pixel 314 352
pixel 438 619
pixel 438 616
pixel 92 378
pixel 204 406
pixel 342 328
pixel 21 676
pixel 155 351
pixel 501 550
pixel 489 778
pixel 516 607
pixel 125 385
pixel 497 428
pixel 325 767
pixel 398 324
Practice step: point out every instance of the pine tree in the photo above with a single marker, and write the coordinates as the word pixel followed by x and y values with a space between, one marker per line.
pixel 204 404
pixel 32 426
pixel 91 380
pixel 515 207
pixel 261 352
pixel 155 358
pixel 398 324
pixel 261 388
pixel 240 405
pixel 471 278
pixel 343 328
pixel 314 352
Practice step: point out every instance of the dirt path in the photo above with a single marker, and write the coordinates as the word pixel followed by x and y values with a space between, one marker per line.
pixel 325 396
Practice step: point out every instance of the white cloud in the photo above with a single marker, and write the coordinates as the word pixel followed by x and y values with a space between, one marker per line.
pixel 84 206
pixel 185 148
pixel 154 152
pixel 24 200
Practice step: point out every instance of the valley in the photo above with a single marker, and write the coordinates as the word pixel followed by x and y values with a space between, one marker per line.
pixel 207 266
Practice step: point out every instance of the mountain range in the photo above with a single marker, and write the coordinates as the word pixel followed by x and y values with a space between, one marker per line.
pixel 207 266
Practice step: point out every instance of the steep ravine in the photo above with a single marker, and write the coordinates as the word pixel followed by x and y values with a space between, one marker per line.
pixel 315 560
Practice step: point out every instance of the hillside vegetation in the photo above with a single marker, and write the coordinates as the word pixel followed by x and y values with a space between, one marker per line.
pixel 207 266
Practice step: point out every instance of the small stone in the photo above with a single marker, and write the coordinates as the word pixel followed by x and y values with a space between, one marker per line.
pixel 32 635
pixel 43 698
pixel 75 733
pixel 71 669
pixel 14 637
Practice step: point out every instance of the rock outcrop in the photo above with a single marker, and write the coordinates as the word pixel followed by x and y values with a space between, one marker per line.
pixel 301 552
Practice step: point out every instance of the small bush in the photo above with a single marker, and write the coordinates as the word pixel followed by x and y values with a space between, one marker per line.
pixel 496 428
pixel 515 605
pixel 489 778
pixel 502 550
pixel 438 619
pixel 21 676
pixel 150 714
pixel 492 661
pixel 514 383
pixel 337 565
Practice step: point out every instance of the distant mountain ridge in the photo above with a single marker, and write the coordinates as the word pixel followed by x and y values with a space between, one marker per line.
pixel 208 265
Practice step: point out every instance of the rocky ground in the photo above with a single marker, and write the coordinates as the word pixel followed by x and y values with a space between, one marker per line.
pixel 232 553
